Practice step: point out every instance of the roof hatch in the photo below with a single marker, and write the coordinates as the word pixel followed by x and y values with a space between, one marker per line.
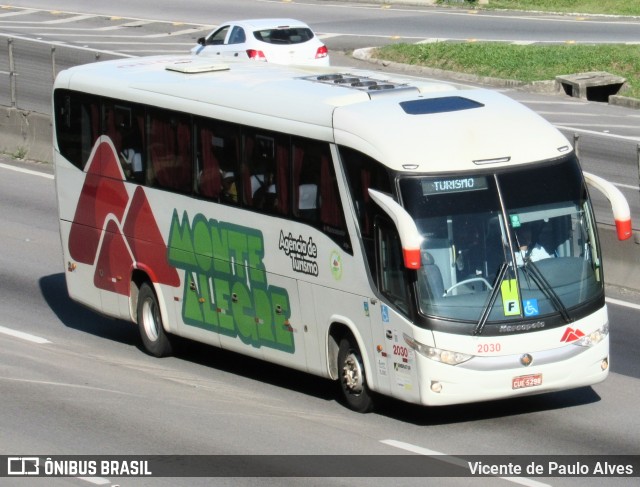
pixel 442 104
pixel 189 66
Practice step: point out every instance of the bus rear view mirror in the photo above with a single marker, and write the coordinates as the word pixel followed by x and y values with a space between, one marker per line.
pixel 619 204
pixel 410 236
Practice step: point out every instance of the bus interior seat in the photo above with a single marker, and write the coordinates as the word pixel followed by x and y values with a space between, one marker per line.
pixel 210 182
pixel 432 275
pixel 308 201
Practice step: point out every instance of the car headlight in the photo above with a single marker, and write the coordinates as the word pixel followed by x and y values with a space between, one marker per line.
pixel 594 337
pixel 437 354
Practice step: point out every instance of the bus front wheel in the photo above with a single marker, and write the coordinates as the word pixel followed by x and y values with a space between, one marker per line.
pixel 154 338
pixel 353 381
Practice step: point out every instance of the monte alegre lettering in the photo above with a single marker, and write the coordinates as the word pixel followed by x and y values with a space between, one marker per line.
pixel 226 287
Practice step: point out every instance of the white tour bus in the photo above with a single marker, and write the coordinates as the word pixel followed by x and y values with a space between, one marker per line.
pixel 398 236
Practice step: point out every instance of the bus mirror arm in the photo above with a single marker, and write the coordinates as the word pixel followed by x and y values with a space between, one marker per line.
pixel 410 237
pixel 619 204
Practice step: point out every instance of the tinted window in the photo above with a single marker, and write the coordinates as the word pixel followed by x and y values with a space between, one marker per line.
pixel 294 35
pixel 123 123
pixel 77 120
pixel 237 36
pixel 169 148
pixel 218 36
pixel 363 173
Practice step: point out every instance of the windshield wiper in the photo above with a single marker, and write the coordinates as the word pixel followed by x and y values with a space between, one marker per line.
pixel 532 271
pixel 492 299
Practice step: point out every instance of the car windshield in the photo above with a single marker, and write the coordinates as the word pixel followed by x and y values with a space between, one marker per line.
pixel 289 35
pixel 505 245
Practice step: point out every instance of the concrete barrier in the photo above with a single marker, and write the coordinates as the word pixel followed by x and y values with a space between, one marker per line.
pixel 621 259
pixel 25 134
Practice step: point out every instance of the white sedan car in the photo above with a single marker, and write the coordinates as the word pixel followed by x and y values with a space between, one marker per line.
pixel 282 41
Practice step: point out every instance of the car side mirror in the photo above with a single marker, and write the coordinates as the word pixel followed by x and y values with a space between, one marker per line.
pixel 201 41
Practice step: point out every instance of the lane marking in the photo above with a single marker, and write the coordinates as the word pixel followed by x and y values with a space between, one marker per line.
pixel 21 12
pixel 457 461
pixel 576 101
pixel 70 386
pixel 135 23
pixel 26 171
pixel 95 480
pixel 76 18
pixel 604 125
pixel 595 132
pixel 627 186
pixel 575 114
pixel 619 302
pixel 22 335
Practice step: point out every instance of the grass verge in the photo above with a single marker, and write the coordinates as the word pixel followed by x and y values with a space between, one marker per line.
pixel 601 7
pixel 522 63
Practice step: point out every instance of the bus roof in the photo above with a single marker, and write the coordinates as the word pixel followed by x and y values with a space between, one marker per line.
pixel 406 123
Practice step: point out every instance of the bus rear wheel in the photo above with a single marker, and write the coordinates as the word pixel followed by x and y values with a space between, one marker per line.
pixel 154 339
pixel 353 381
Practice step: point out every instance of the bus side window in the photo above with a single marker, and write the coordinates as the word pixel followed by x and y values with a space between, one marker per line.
pixel 77 125
pixel 217 146
pixel 170 152
pixel 124 125
pixel 363 173
pixel 266 172
pixel 391 276
pixel 209 180
pixel 306 177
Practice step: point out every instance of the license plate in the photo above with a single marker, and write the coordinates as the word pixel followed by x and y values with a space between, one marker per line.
pixel 526 381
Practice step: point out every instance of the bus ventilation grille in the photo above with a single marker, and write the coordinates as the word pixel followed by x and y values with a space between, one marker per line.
pixel 362 83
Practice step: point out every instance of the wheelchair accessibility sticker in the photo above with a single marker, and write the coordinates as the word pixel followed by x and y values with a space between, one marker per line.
pixel 531 307
pixel 385 313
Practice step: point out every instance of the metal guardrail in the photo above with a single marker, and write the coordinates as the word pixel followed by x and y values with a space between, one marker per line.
pixel 21 72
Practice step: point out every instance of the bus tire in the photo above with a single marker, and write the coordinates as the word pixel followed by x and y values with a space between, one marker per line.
pixel 353 381
pixel 154 339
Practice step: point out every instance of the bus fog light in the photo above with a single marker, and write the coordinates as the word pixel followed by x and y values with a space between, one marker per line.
pixel 436 386
pixel 604 365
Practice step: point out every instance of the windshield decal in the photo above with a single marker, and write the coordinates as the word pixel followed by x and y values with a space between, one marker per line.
pixel 531 307
pixel 510 297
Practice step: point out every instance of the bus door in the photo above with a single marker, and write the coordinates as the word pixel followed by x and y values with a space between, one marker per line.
pixel 281 327
pixel 390 319
pixel 308 326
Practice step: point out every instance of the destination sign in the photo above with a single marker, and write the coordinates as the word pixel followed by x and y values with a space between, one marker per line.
pixel 453 185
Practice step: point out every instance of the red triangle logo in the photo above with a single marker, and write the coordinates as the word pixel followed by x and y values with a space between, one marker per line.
pixel 114 262
pixel 571 335
pixel 145 240
pixel 100 197
pixel 103 201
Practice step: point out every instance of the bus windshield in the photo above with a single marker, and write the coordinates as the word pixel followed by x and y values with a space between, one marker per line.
pixel 498 246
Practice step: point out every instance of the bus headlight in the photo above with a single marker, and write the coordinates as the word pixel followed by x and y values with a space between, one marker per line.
pixel 594 337
pixel 437 354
